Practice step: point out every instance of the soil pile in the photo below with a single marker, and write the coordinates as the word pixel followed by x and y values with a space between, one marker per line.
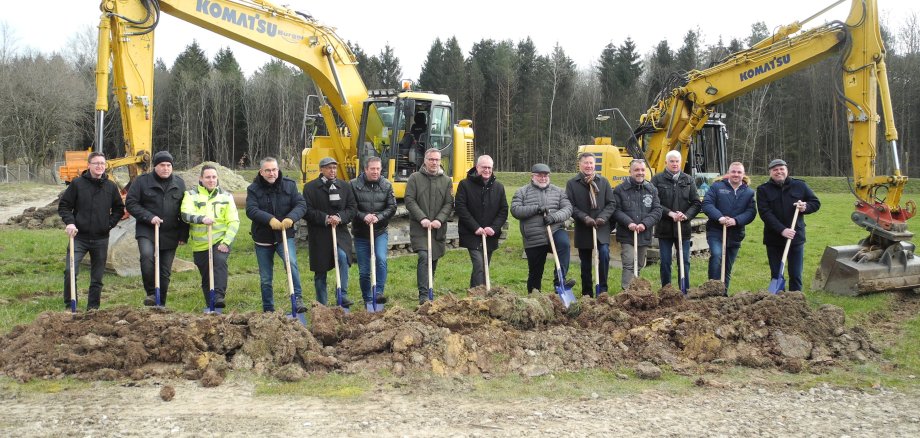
pixel 489 332
pixel 35 218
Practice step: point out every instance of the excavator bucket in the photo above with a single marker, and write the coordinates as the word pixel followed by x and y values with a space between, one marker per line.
pixel 896 269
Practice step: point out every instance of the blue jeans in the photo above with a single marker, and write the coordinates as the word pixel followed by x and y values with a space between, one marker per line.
pixel 319 279
pixel 794 263
pixel 265 256
pixel 715 259
pixel 363 253
pixel 667 247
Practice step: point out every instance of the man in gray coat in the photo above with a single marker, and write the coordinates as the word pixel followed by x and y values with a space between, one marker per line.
pixel 538 205
pixel 638 210
pixel 429 202
pixel 592 205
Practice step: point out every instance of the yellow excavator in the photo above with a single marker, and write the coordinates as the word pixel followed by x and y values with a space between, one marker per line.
pixel 358 123
pixel 884 260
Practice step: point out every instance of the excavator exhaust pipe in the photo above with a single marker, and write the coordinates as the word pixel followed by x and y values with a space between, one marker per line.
pixel 897 269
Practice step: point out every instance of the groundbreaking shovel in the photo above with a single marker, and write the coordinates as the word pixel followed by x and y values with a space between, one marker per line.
pixel 290 280
pixel 779 283
pixel 156 265
pixel 339 293
pixel 596 264
pixel 724 241
pixel 430 274
pixel 680 259
pixel 564 293
pixel 73 280
pixel 485 261
pixel 635 253
pixel 212 295
pixel 373 306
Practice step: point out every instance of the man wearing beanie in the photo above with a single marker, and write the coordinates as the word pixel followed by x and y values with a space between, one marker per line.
pixel 777 201
pixel 155 199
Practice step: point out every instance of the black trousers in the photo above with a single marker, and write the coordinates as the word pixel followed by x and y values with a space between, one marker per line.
pixel 97 250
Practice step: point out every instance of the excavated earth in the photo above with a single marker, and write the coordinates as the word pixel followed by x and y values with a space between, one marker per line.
pixel 488 333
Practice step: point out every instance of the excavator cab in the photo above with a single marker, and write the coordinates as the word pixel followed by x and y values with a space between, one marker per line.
pixel 706 160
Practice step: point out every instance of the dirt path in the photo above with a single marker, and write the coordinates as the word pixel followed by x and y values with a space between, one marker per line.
pixel 15 199
pixel 231 409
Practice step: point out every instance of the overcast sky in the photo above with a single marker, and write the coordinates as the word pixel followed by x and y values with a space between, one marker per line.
pixel 581 27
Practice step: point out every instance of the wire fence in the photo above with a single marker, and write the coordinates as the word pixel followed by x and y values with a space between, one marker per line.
pixel 18 173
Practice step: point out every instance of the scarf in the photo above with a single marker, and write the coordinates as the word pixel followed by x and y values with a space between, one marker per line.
pixel 592 190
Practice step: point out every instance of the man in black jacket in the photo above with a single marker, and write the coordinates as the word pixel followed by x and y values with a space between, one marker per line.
pixel 592 205
pixel 273 203
pixel 155 198
pixel 330 203
pixel 90 206
pixel 482 209
pixel 680 203
pixel 777 200
pixel 638 210
pixel 376 204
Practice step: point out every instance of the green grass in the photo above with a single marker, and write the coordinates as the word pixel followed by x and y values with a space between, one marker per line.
pixel 330 385
pixel 41 386
pixel 32 262
pixel 569 385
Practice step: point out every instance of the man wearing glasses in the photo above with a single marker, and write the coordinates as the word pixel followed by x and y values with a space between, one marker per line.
pixel 90 207
pixel 273 203
pixel 430 203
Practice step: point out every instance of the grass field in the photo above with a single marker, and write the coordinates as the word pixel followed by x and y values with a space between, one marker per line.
pixel 32 262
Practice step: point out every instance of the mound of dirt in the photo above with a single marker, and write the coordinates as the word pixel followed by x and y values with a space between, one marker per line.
pixel 36 218
pixel 489 332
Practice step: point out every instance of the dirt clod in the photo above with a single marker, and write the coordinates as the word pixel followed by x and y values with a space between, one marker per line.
pixel 167 393
pixel 487 333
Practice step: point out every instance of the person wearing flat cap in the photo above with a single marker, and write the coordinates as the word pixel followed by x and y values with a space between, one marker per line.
pixel 331 205
pixel 538 205
pixel 153 199
pixel 777 201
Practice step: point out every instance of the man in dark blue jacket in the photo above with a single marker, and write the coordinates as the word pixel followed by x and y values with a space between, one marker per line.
pixel 777 201
pixel 155 199
pixel 90 206
pixel 637 211
pixel 273 203
pixel 729 204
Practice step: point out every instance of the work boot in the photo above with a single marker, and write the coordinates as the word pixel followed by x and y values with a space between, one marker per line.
pixel 219 302
pixel 150 300
pixel 299 307
pixel 346 303
pixel 381 299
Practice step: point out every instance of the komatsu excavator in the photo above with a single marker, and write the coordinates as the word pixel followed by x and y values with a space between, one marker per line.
pixel 359 123
pixel 885 259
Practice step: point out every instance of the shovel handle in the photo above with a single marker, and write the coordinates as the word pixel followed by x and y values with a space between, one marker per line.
pixel 724 241
pixel 430 270
pixel 210 259
pixel 795 217
pixel 156 255
pixel 335 258
pixel 680 253
pixel 373 263
pixel 552 245
pixel 595 261
pixel 287 262
pixel 73 278
pixel 635 253
pixel 485 261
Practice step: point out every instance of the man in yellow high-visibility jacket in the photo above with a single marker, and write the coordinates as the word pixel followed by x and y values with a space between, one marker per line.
pixel 208 204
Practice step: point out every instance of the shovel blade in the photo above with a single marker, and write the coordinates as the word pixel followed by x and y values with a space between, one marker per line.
pixel 373 307
pixel 779 283
pixel 430 294
pixel 340 298
pixel 565 293
pixel 73 306
pixel 211 298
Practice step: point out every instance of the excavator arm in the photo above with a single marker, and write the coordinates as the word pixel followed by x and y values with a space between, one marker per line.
pixel 686 104
pixel 126 37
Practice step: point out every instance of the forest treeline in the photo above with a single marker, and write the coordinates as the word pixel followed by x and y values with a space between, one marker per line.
pixel 526 106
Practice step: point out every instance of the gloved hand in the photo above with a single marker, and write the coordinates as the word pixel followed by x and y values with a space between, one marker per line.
pixel 589 221
pixel 542 211
pixel 287 223
pixel 547 220
pixel 275 224
pixel 600 222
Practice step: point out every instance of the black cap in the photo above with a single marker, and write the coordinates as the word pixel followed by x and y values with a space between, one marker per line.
pixel 776 162
pixel 539 168
pixel 162 157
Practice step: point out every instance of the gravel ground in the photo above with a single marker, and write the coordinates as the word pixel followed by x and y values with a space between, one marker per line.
pixel 232 410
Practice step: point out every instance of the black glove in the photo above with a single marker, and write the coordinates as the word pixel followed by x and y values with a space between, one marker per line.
pixel 547 220
pixel 600 222
pixel 542 210
pixel 589 221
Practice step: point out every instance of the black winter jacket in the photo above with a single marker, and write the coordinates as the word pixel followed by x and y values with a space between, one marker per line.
pixel 480 204
pixel 680 195
pixel 266 201
pixel 93 205
pixel 372 197
pixel 147 198
pixel 576 189
pixel 317 195
pixel 775 205
pixel 636 203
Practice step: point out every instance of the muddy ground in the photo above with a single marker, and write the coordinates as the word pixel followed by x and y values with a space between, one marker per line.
pixel 488 333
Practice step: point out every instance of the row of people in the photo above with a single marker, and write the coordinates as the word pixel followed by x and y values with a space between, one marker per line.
pixel 90 207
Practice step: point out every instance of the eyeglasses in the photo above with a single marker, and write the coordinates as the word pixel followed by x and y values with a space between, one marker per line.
pixel 269 170
pixel 98 163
